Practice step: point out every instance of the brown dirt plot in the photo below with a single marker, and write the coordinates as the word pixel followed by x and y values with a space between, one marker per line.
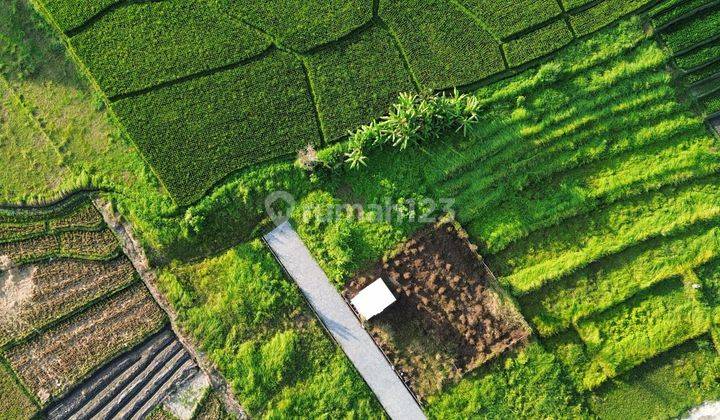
pixel 451 315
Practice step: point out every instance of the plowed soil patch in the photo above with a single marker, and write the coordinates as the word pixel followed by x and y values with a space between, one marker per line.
pixel 451 316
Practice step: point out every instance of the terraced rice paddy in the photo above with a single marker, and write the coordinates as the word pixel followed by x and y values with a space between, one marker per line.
pixel 342 63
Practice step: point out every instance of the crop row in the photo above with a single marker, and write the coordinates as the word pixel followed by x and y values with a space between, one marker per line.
pixel 508 17
pixel 704 73
pixel 666 15
pixel 304 25
pixel 58 358
pixel 84 217
pixel 218 124
pixel 693 32
pixel 444 46
pixel 550 254
pixel 59 287
pixel 80 244
pixel 698 57
pixel 144 44
pixel 711 103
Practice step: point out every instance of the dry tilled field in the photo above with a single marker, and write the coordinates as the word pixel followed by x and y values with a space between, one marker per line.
pixel 75 319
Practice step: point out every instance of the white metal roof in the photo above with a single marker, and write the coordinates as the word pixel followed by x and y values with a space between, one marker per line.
pixel 373 299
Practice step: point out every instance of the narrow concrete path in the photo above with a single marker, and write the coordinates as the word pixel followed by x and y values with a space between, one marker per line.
pixel 339 319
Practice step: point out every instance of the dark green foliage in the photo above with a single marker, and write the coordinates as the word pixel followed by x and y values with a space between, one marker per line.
pixel 302 25
pixel 538 43
pixel 196 133
pixel 507 17
pixel 602 14
pixel 698 57
pixel 572 4
pixel 444 46
pixel 145 44
pixel 711 103
pixel 692 32
pixel 660 19
pixel 356 81
pixel 712 70
pixel 70 14
pixel 664 387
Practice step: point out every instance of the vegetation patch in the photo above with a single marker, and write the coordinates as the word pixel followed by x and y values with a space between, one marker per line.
pixel 604 13
pixel 69 14
pixel 33 296
pixel 537 43
pixel 218 124
pixel 302 26
pixel 145 44
pixel 507 17
pixel 15 402
pixel 444 46
pixel 444 291
pixel 58 358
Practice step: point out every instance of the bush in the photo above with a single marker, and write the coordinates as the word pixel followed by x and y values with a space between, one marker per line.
pixel 414 119
pixel 444 46
pixel 142 45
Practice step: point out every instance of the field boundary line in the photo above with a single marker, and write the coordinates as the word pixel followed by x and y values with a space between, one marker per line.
pixel 148 276
pixel 204 73
pixel 316 107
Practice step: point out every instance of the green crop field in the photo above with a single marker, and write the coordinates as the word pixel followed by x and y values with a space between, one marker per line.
pixel 576 155
pixel 691 30
pixel 347 57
